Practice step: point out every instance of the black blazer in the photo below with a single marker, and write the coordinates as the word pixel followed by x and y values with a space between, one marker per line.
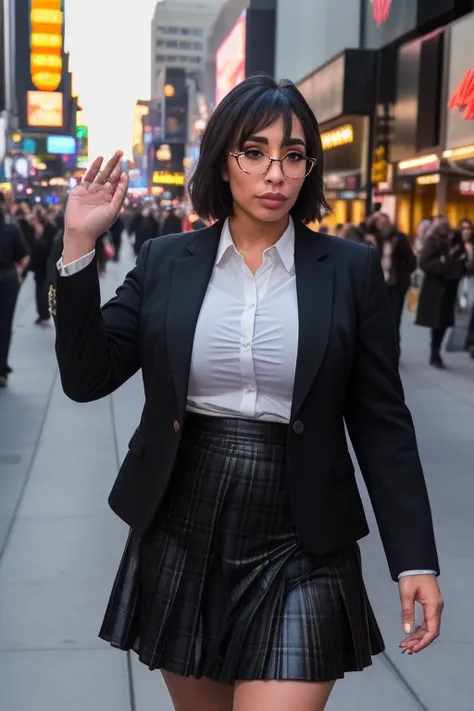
pixel 346 371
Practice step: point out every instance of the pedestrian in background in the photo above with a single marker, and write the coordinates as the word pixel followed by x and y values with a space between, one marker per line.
pixel 241 578
pixel 398 262
pixel 443 261
pixel 14 257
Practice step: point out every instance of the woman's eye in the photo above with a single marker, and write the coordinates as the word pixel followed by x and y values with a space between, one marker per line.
pixel 253 153
pixel 294 157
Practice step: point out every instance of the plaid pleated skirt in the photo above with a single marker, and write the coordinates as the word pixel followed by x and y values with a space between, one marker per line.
pixel 220 587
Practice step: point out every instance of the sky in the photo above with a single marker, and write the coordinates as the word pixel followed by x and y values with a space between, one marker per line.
pixel 110 45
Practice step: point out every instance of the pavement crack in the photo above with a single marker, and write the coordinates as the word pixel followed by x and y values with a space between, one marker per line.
pixel 404 682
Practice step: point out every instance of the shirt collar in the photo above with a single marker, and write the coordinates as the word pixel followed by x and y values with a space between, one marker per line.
pixel 285 245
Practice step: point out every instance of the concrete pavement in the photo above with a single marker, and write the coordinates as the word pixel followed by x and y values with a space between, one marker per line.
pixel 61 545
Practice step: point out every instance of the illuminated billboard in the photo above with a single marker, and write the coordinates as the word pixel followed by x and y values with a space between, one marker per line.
pixel 46 42
pixel 142 108
pixel 230 59
pixel 44 109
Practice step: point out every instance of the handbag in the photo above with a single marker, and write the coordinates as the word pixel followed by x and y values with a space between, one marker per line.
pixel 109 249
pixel 457 341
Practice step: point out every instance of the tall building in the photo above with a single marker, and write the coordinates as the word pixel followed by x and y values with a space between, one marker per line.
pixel 178 38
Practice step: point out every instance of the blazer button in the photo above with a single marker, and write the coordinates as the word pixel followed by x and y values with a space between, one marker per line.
pixel 176 426
pixel 298 427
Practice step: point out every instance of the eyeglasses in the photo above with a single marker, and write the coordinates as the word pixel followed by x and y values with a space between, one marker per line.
pixel 294 165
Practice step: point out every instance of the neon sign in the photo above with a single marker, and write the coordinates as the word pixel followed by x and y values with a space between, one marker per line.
pixel 46 40
pixel 381 10
pixel 463 96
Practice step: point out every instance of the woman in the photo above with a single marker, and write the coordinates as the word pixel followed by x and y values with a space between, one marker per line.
pixel 241 579
pixel 443 260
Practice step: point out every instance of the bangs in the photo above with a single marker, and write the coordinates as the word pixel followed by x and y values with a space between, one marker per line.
pixel 267 108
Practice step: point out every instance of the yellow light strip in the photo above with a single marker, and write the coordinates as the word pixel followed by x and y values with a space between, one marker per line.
pixel 417 162
pixel 42 40
pixel 459 153
pixel 428 179
pixel 46 17
pixel 340 136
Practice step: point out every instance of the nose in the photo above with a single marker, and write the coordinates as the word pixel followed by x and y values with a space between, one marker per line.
pixel 275 172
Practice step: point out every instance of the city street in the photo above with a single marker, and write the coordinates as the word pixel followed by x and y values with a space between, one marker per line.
pixel 60 544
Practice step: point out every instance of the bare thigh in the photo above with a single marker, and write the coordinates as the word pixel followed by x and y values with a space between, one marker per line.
pixel 190 694
pixel 281 696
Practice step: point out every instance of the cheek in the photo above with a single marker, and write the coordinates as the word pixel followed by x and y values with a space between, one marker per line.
pixel 242 186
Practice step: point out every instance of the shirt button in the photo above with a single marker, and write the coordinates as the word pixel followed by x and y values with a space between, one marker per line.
pixel 248 389
pixel 250 306
pixel 176 426
pixel 245 345
pixel 298 427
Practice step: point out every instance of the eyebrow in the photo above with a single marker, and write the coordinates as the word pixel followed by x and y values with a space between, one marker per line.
pixel 285 142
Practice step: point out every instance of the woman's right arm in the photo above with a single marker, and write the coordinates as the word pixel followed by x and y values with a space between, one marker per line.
pixel 97 349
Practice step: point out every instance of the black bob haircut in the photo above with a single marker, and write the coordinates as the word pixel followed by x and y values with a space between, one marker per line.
pixel 252 106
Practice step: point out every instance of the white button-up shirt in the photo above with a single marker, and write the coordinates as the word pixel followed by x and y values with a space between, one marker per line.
pixel 245 345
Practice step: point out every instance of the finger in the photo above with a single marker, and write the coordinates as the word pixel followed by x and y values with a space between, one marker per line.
pixel 92 171
pixel 432 623
pixel 408 644
pixel 416 635
pixel 408 612
pixel 120 194
pixel 114 178
pixel 104 175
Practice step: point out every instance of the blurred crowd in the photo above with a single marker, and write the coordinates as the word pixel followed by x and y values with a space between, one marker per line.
pixel 435 269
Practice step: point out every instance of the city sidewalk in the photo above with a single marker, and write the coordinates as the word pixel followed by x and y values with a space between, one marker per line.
pixel 61 544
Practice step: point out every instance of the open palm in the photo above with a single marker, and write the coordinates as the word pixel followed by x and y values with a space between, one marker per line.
pixel 95 204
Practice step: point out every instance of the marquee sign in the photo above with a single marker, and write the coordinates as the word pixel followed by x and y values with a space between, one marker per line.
pixel 46 42
pixel 463 96
pixel 381 10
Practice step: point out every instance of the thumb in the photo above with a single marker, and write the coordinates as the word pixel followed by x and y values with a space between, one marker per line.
pixel 408 613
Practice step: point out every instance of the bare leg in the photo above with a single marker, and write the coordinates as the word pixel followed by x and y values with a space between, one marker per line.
pixel 281 696
pixel 190 694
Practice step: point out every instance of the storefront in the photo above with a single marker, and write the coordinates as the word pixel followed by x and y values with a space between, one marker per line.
pixel 341 96
pixel 345 143
pixel 415 143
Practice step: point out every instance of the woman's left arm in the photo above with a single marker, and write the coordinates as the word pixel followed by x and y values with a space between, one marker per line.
pixel 382 433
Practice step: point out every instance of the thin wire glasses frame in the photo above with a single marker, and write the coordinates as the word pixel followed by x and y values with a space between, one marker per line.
pixel 310 163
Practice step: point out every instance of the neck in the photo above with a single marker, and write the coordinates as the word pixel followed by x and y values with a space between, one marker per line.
pixel 249 233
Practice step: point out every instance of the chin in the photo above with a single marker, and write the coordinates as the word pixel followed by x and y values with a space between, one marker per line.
pixel 267 215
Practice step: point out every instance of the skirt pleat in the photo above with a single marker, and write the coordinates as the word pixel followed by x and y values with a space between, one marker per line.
pixel 220 586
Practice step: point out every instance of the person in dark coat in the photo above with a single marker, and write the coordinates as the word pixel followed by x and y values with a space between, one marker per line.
pixel 148 228
pixel 44 234
pixel 398 261
pixel 172 224
pixel 443 260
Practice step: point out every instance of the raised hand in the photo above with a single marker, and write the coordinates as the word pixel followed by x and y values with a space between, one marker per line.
pixel 95 203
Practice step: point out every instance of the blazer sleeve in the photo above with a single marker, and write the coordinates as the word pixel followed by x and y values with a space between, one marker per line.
pixel 97 348
pixel 382 432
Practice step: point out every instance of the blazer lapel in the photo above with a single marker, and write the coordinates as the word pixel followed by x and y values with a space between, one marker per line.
pixel 189 281
pixel 315 294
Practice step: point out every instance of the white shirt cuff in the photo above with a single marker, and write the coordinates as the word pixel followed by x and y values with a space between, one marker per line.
pixel 77 265
pixel 417 572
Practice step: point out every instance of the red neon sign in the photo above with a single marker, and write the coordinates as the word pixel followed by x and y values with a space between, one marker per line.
pixel 381 10
pixel 463 97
